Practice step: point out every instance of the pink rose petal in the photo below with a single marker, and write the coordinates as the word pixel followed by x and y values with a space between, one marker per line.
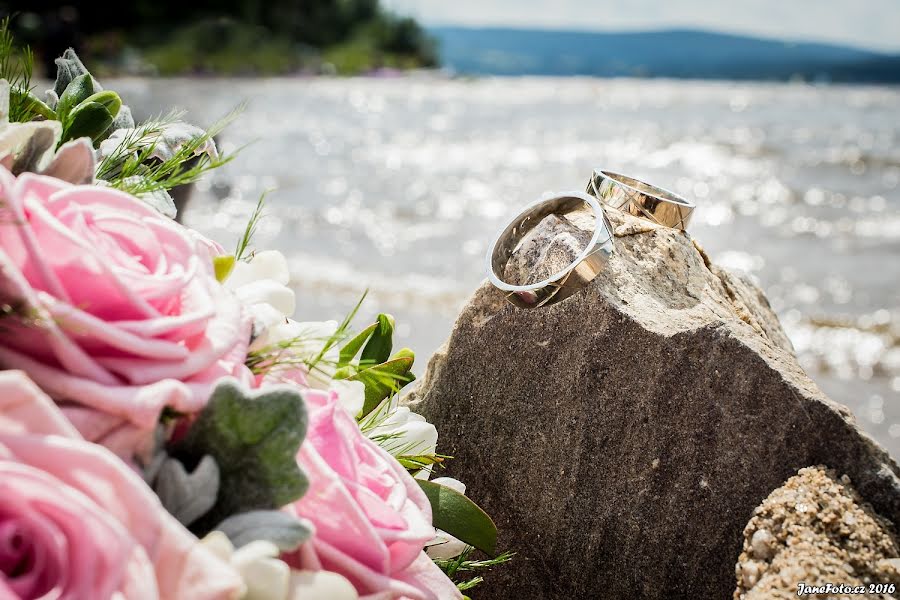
pixel 371 518
pixel 93 527
pixel 119 308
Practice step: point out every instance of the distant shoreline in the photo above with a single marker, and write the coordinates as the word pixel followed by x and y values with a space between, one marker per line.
pixel 671 54
pixel 444 74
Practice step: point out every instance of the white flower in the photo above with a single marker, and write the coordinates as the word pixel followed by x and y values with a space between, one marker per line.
pixel 267 577
pixel 320 585
pixel 406 433
pixel 31 147
pixel 352 395
pixel 307 339
pixel 261 284
pixel 15 136
pixel 444 545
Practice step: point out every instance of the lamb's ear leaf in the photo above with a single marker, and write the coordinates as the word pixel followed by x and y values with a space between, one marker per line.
pixel 162 201
pixel 68 68
pixel 254 437
pixel 187 496
pixel 159 199
pixel 284 530
pixel 123 119
pixel 460 517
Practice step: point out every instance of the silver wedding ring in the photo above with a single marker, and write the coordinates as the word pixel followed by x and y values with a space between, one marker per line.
pixel 641 199
pixel 569 280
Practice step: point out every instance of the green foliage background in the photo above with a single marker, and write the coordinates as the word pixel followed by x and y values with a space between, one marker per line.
pixel 229 37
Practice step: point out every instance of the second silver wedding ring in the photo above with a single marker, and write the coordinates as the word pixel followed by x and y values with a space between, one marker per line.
pixel 641 199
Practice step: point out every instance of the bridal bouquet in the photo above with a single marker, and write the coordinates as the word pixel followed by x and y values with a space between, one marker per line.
pixel 167 430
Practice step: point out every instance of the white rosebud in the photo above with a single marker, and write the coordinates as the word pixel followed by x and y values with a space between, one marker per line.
pixel 453 484
pixel 408 433
pixel 352 395
pixel 265 575
pixel 263 280
pixel 320 585
pixel 219 544
pixel 307 339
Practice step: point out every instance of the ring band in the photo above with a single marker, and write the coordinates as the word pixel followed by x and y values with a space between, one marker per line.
pixel 641 199
pixel 566 282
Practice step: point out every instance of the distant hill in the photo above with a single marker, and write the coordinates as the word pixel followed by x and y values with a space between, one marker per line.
pixel 676 53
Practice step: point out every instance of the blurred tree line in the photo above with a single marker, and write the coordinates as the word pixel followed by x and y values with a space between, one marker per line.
pixel 223 36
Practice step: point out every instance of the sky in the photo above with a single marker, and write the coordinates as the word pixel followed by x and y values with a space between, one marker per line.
pixel 871 24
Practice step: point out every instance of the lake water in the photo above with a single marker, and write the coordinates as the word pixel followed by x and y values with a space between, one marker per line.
pixel 397 185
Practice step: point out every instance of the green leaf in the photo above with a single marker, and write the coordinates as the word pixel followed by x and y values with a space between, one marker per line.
pixel 27 101
pixel 417 463
pixel 76 92
pixel 351 348
pixel 384 379
pixel 378 349
pixel 284 530
pixel 404 353
pixel 107 98
pixel 254 437
pixel 89 119
pixel 223 265
pixel 460 517
pixel 345 372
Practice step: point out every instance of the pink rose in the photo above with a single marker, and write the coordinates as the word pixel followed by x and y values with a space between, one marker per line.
pixel 76 522
pixel 371 518
pixel 116 308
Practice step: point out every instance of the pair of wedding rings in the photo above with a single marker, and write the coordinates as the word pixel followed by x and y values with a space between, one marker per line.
pixel 612 189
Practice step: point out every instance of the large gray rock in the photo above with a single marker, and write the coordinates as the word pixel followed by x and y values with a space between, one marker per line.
pixel 622 438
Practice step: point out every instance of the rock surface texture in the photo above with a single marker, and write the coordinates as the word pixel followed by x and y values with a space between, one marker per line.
pixel 815 529
pixel 622 438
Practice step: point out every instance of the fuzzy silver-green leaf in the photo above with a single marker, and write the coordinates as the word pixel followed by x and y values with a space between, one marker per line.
pixel 188 496
pixel 254 437
pixel 284 530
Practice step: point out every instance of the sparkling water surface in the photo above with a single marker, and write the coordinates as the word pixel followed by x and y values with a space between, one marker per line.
pixel 397 185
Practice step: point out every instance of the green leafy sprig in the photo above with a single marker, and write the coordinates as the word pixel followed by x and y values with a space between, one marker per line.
pixel 243 246
pixel 141 139
pixel 410 455
pixel 464 564
pixel 279 354
pixel 382 374
pixel 17 66
pixel 132 168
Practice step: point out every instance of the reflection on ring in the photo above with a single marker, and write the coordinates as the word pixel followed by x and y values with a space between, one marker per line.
pixel 565 282
pixel 641 199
